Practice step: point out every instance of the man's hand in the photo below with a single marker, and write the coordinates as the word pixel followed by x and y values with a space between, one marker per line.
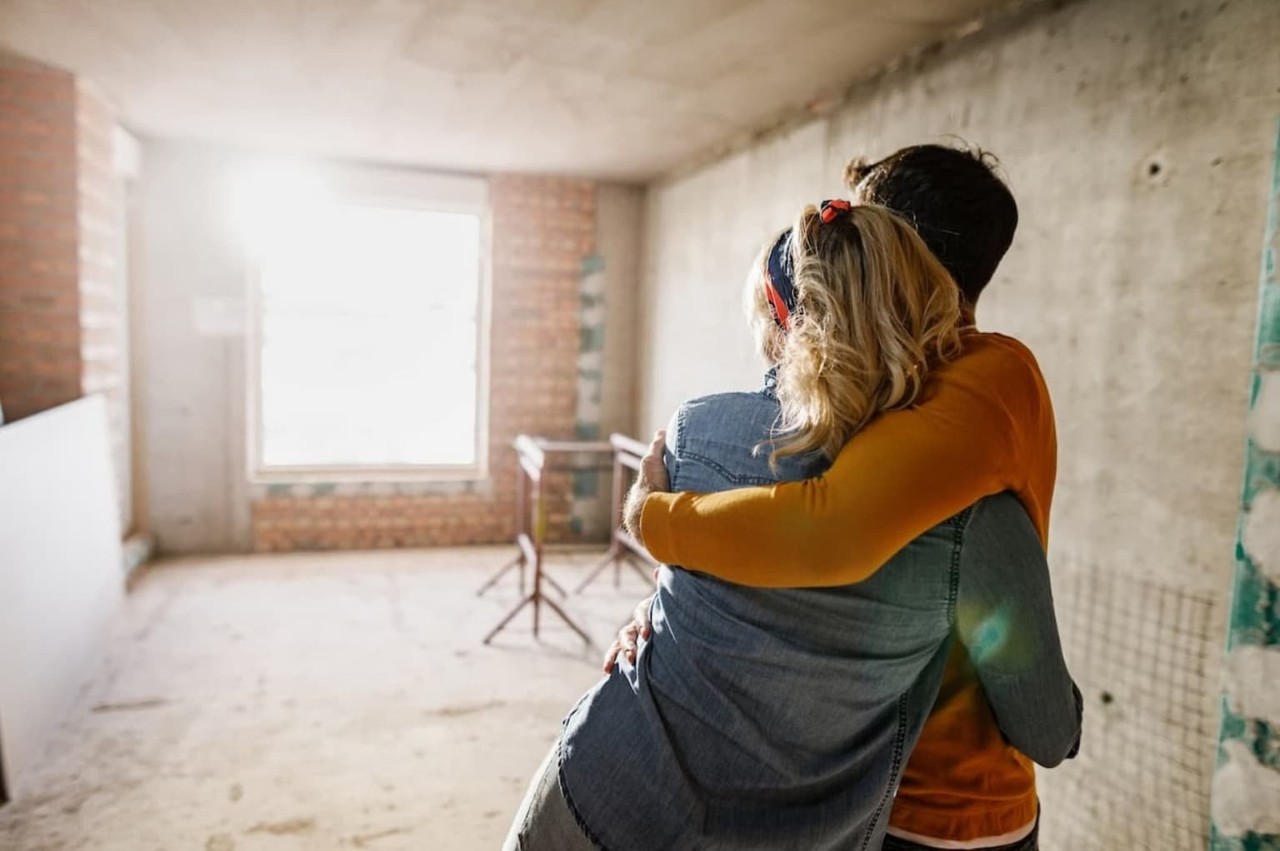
pixel 652 478
pixel 630 634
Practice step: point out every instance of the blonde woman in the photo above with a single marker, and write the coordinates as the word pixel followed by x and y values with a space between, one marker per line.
pixel 771 719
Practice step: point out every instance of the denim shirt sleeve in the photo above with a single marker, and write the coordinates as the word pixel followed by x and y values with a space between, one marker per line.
pixel 670 453
pixel 1004 616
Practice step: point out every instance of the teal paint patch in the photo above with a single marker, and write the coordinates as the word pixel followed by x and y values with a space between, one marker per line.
pixel 1266 743
pixel 592 338
pixel 1233 727
pixel 1261 471
pixel 586 484
pixel 1249 842
pixel 1261 735
pixel 1255 606
pixel 588 508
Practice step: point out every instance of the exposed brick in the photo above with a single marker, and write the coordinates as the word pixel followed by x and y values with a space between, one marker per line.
pixel 40 361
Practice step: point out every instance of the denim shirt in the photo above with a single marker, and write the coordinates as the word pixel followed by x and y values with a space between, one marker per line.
pixel 765 718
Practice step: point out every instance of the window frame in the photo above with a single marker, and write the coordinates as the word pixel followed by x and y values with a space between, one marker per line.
pixel 400 189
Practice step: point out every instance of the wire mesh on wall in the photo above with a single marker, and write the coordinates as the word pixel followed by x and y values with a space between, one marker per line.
pixel 1145 656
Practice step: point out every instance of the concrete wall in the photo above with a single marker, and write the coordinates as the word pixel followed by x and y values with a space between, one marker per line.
pixel 192 337
pixel 191 301
pixel 1136 135
pixel 619 225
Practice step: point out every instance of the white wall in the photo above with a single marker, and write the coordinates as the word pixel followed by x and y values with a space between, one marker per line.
pixel 619 225
pixel 191 299
pixel 1136 135
pixel 61 573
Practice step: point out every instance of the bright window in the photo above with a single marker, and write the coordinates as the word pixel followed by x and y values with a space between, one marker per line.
pixel 368 334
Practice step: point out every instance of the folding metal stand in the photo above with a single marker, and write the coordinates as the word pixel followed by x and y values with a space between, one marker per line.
pixel 627 454
pixel 531 528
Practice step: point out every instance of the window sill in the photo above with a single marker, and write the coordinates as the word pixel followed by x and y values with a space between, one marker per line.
pixel 369 475
pixel 370 483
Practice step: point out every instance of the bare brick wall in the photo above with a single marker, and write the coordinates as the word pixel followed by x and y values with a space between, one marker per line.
pixel 543 227
pixel 62 298
pixel 40 357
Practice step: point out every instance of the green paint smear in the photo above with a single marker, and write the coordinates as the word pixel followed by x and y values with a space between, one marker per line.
pixel 592 339
pixel 592 264
pixel 586 431
pixel 1255 606
pixel 1261 471
pixel 586 483
pixel 1266 744
pixel 1255 600
pixel 1262 736
pixel 1249 842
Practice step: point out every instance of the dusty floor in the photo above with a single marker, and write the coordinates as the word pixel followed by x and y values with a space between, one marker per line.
pixel 314 702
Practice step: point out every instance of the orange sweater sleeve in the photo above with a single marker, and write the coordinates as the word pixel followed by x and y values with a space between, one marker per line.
pixel 984 425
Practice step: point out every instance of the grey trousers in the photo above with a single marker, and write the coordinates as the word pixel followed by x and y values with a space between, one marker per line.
pixel 544 822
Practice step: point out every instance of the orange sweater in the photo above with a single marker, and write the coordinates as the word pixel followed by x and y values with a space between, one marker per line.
pixel 984 425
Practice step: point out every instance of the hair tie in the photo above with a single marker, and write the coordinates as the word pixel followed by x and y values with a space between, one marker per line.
pixel 833 208
pixel 779 285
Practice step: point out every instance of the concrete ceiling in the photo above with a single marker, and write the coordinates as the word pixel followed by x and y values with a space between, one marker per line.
pixel 623 89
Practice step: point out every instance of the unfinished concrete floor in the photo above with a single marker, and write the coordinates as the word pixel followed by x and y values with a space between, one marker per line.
pixel 317 701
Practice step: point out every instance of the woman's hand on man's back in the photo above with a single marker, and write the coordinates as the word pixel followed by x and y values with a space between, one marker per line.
pixel 629 636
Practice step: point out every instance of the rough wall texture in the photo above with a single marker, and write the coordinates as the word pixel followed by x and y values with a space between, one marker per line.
pixel 1136 135
pixel 39 286
pixel 200 499
pixel 103 294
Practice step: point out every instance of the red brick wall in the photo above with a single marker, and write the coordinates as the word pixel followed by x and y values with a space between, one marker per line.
pixel 40 357
pixel 62 301
pixel 542 229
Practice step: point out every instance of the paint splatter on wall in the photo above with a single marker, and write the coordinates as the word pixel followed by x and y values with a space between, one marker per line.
pixel 1246 781
pixel 589 508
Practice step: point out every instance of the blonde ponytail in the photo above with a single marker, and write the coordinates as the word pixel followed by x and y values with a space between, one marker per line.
pixel 875 311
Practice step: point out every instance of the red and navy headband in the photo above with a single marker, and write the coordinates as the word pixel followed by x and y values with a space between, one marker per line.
pixel 779 278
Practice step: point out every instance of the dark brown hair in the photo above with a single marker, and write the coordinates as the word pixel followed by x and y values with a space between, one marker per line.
pixel 954 199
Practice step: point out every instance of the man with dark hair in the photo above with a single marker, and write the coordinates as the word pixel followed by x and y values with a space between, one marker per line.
pixel 986 427
pixel 964 212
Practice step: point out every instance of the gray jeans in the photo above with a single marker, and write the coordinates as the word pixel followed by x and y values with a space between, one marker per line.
pixel 544 822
